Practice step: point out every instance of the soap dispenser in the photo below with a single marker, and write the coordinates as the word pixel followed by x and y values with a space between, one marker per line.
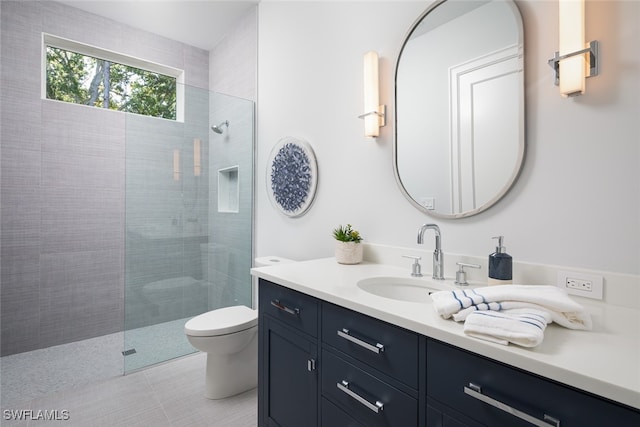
pixel 500 265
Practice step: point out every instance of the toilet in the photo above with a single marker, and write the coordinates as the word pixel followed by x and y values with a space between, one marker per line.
pixel 229 336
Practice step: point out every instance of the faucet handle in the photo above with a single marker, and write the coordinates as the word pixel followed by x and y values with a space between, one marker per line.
pixel 416 268
pixel 461 275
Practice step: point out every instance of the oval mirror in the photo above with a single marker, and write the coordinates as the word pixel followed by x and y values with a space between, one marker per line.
pixel 459 135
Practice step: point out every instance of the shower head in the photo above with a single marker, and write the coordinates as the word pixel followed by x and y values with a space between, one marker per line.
pixel 218 129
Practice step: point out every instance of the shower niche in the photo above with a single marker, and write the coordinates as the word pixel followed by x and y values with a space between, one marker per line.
pixel 228 190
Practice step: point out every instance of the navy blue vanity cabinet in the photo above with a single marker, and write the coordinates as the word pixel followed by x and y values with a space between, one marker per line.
pixel 332 416
pixel 294 309
pixel 439 415
pixel 385 347
pixel 466 389
pixel 370 368
pixel 321 364
pixel 288 357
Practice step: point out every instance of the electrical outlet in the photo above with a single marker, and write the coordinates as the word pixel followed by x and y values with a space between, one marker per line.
pixel 428 202
pixel 581 284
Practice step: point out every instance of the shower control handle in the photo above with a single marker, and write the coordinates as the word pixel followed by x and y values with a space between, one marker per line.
pixel 293 311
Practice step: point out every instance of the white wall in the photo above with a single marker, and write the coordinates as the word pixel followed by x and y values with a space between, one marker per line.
pixel 577 201
pixel 232 63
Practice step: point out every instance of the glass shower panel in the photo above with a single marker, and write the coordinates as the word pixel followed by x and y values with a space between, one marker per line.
pixel 228 255
pixel 188 231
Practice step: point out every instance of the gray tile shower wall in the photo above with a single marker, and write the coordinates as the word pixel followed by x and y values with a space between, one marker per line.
pixel 62 192
pixel 20 197
pixel 229 229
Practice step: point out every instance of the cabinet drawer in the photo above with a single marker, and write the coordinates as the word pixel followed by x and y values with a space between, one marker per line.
pixel 439 415
pixel 454 375
pixel 332 416
pixel 387 348
pixel 367 399
pixel 290 307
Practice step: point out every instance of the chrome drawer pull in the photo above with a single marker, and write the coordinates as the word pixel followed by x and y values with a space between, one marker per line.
pixel 377 348
pixel 292 311
pixel 375 407
pixel 476 392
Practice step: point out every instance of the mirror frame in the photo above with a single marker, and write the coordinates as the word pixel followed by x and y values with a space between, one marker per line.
pixel 522 143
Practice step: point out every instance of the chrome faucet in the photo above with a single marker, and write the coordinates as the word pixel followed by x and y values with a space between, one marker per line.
pixel 438 261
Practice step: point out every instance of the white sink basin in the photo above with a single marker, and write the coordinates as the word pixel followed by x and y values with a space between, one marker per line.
pixel 403 288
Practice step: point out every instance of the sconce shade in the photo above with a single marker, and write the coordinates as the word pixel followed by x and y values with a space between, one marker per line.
pixel 573 70
pixel 371 95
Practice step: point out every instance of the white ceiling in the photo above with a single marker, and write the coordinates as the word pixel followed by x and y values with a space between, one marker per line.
pixel 200 23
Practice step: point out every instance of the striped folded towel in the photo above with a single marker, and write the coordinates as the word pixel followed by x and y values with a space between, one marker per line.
pixel 524 327
pixel 460 303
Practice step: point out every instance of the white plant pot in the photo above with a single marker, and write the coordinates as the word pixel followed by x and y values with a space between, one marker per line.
pixel 348 252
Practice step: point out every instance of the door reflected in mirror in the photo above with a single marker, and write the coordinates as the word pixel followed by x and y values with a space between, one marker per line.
pixel 459 142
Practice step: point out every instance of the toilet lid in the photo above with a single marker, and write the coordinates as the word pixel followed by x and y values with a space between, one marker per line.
pixel 222 321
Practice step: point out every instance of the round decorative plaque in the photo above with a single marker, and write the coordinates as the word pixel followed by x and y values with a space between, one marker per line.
pixel 292 176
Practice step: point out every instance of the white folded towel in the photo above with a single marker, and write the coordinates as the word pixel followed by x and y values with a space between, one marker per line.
pixel 524 327
pixel 562 309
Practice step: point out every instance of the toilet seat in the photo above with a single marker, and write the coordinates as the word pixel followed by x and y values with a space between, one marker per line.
pixel 222 321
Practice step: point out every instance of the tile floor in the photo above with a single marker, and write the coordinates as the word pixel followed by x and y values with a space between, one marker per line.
pixel 26 376
pixel 37 373
pixel 169 394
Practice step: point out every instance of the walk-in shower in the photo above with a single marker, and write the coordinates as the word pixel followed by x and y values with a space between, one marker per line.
pixel 160 249
pixel 185 255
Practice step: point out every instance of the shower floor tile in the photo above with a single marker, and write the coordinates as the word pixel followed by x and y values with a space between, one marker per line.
pixel 26 376
pixel 34 374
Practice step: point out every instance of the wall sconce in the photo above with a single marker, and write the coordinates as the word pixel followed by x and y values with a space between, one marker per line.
pixel 196 157
pixel 573 62
pixel 374 116
pixel 176 165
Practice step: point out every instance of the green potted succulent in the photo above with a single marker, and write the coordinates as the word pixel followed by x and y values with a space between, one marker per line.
pixel 348 249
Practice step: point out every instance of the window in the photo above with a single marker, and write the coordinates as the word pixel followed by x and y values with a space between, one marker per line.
pixel 83 74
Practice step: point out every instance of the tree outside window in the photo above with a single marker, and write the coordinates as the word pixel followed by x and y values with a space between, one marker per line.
pixel 81 79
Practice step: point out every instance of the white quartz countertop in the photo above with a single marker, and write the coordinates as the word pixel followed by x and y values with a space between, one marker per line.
pixel 604 361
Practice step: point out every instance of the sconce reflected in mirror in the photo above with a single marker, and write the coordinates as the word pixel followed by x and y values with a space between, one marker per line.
pixel 573 62
pixel 176 165
pixel 374 116
pixel 197 150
